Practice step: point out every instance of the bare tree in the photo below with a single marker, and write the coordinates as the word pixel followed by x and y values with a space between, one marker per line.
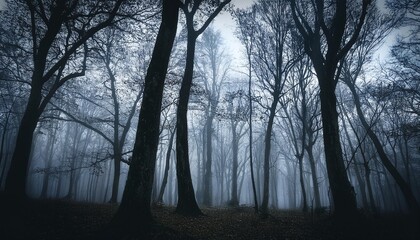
pixel 212 66
pixel 134 212
pixel 49 73
pixel 237 114
pixel 187 203
pixel 296 108
pixel 372 35
pixel 167 164
pixel 108 97
pixel 246 33
pixel 323 27
pixel 271 63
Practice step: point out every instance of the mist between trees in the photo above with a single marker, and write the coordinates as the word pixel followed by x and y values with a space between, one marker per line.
pixel 312 120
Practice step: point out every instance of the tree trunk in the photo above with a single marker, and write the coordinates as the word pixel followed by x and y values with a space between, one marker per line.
pixel 17 175
pixel 49 158
pixel 368 183
pixel 74 171
pixel 167 164
pixel 117 171
pixel 274 188
pixel 342 191
pixel 356 163
pixel 63 158
pixel 309 150
pixel 402 184
pixel 208 188
pixel 199 163
pixel 325 59
pixel 405 156
pixel 267 152
pixel 187 204
pixel 302 185
pixel 117 148
pixel 251 164
pixel 108 177
pixel 235 146
pixel 171 185
pixel 134 212
pixel 203 164
pixel 3 140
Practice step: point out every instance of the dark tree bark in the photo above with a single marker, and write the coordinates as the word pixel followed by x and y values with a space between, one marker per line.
pixel 344 200
pixel 166 171
pixel 41 74
pixel 187 204
pixel 312 129
pixel 302 184
pixel 251 164
pixel 402 184
pixel 314 175
pixel 234 200
pixel 2 143
pixel 343 193
pixel 354 159
pixel 134 213
pixel 267 149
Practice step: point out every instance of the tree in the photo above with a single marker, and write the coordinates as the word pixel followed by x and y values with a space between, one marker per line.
pixel 52 27
pixel 167 163
pixel 405 188
pixel 372 36
pixel 212 66
pixel 107 50
pixel 296 108
pixel 13 88
pixel 110 53
pixel 52 132
pixel 271 63
pixel 237 114
pixel 403 70
pixel 246 33
pixel 11 102
pixel 134 212
pixel 325 44
pixel 310 120
pixel 187 203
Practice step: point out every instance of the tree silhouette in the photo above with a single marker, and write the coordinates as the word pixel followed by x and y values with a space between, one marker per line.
pixel 325 44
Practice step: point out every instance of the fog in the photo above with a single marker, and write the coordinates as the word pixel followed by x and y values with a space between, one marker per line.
pixel 261 110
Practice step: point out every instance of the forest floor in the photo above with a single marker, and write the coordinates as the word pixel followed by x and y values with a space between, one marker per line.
pixel 54 219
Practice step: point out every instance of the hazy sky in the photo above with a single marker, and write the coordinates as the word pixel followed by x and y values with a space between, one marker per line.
pixel 2 3
pixel 226 25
